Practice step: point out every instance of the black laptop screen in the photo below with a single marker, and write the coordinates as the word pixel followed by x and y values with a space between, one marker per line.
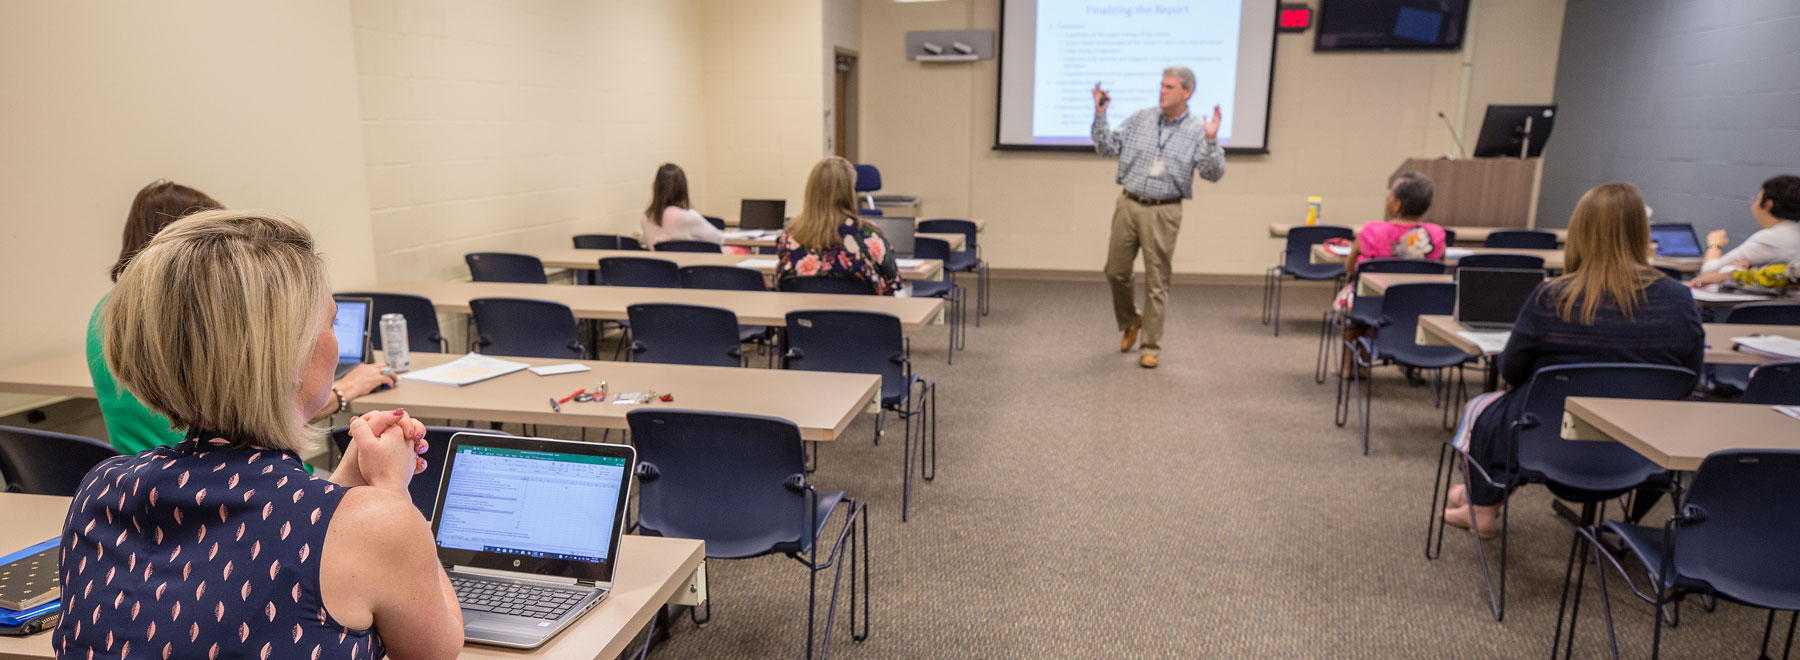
pixel 1493 296
pixel 762 214
pixel 531 503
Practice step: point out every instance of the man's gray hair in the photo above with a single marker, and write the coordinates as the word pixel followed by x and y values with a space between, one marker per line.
pixel 1182 73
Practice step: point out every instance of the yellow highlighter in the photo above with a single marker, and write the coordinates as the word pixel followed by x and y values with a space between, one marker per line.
pixel 1313 205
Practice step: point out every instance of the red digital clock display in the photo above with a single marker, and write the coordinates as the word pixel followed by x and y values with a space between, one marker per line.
pixel 1295 18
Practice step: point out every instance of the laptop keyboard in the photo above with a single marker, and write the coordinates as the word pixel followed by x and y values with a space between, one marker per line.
pixel 514 598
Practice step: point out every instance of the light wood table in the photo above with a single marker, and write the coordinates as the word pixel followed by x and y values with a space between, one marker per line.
pixel 1376 284
pixel 1677 435
pixel 928 269
pixel 652 571
pixel 1553 259
pixel 1441 330
pixel 609 302
pixel 980 223
pixel 821 403
pixel 1470 236
pixel 767 239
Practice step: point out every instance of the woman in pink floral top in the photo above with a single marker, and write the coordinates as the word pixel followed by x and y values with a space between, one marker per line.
pixel 828 238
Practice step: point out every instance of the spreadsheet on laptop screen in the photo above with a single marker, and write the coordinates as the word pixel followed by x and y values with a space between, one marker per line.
pixel 531 503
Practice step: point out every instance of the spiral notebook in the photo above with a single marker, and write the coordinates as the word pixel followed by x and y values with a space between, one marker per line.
pixel 28 578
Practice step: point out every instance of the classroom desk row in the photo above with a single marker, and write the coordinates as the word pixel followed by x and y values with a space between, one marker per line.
pixel 610 302
pixel 928 269
pixel 1376 284
pixel 652 571
pixel 1471 236
pixel 1443 330
pixel 1553 259
pixel 766 238
pixel 980 223
pixel 1677 435
pixel 822 403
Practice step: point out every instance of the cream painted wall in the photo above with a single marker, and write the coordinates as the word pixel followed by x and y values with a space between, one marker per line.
pixel 254 103
pixel 500 125
pixel 1341 122
pixel 764 104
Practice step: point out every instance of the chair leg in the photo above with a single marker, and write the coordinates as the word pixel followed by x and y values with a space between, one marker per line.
pixel 928 409
pixel 879 414
pixel 1279 280
pixel 1575 577
pixel 1268 297
pixel 1366 405
pixel 1323 361
pixel 1440 499
pixel 906 467
pixel 1496 597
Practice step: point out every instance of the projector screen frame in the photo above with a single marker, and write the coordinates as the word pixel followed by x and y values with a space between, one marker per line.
pixel 1000 75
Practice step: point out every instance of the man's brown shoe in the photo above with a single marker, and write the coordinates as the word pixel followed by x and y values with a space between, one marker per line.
pixel 1130 340
pixel 1147 361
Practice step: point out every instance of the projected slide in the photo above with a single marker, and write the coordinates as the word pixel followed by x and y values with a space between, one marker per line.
pixel 1053 51
pixel 1125 47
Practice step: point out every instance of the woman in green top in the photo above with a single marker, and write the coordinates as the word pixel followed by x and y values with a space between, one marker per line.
pixel 132 427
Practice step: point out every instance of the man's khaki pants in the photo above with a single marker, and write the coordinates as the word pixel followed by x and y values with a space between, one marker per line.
pixel 1152 228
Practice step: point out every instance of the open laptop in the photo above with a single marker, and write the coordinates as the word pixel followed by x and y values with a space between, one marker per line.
pixel 1490 298
pixel 528 530
pixel 352 326
pixel 898 232
pixel 1676 240
pixel 762 214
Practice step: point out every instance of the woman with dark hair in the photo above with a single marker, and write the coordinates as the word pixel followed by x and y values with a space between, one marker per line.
pixel 1608 306
pixel 1402 234
pixel 130 426
pixel 670 216
pixel 1777 209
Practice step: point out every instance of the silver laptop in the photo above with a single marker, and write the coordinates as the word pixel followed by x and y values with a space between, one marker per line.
pixel 762 214
pixel 352 326
pixel 1490 298
pixel 1676 241
pixel 898 232
pixel 528 529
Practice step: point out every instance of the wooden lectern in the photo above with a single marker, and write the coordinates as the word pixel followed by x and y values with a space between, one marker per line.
pixel 1478 192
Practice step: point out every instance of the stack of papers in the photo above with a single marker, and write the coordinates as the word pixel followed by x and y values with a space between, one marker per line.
pixel 1490 342
pixel 1712 294
pixel 751 233
pixel 1769 345
pixel 913 264
pixel 1457 253
pixel 759 263
pixel 1339 250
pixel 471 368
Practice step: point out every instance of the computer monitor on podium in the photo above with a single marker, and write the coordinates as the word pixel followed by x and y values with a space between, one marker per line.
pixel 1515 131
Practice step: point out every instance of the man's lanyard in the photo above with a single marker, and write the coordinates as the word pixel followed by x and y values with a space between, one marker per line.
pixel 1160 142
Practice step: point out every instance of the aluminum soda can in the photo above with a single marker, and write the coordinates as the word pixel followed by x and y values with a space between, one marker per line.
pixel 393 342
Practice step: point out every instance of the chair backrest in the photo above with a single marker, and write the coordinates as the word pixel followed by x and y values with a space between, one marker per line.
pixel 640 271
pixel 525 328
pixel 1745 532
pixel 732 278
pixel 1301 239
pixel 722 478
pixel 868 179
pixel 1774 383
pixel 1670 272
pixel 1449 237
pixel 1419 266
pixel 1513 261
pixel 824 284
pixel 1402 305
pixel 422 334
pixel 869 213
pixel 688 246
pixel 670 333
pixel 1763 313
pixel 899 234
pixel 48 463
pixel 931 248
pixel 1543 444
pixel 604 242
pixel 1522 239
pixel 950 226
pixel 424 486
pixel 846 341
pixel 717 222
pixel 505 267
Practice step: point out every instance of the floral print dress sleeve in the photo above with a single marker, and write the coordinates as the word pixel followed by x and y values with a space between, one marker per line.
pixel 878 266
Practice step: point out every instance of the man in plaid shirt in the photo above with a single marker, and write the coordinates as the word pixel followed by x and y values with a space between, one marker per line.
pixel 1160 150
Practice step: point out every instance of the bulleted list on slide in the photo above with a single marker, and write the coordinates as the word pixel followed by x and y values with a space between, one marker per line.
pixel 1125 46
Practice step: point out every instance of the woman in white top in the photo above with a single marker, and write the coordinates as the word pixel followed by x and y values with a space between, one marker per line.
pixel 1777 209
pixel 670 216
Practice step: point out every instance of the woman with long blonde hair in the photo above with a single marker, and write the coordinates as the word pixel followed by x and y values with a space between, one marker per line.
pixel 829 239
pixel 1608 306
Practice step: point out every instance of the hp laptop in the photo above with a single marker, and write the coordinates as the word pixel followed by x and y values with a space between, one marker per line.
pixel 762 214
pixel 528 530
pixel 898 232
pixel 1676 240
pixel 1490 298
pixel 352 326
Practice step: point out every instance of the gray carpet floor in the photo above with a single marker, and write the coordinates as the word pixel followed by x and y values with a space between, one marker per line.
pixel 1086 507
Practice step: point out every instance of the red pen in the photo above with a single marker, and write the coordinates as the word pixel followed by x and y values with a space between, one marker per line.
pixel 570 396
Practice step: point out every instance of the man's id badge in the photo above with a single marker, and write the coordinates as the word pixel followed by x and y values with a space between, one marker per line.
pixel 1157 168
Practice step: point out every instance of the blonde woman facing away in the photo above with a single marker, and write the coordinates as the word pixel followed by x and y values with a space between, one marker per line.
pixel 828 238
pixel 223 544
pixel 129 425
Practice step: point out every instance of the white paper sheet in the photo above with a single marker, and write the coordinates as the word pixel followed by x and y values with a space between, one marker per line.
pixel 471 368
pixel 1490 342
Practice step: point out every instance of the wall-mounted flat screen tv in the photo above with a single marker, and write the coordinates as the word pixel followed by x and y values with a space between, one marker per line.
pixel 1391 24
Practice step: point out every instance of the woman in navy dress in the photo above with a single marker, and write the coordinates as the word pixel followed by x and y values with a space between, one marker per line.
pixel 222 545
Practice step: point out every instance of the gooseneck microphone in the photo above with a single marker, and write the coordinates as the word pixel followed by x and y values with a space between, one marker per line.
pixel 1459 145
